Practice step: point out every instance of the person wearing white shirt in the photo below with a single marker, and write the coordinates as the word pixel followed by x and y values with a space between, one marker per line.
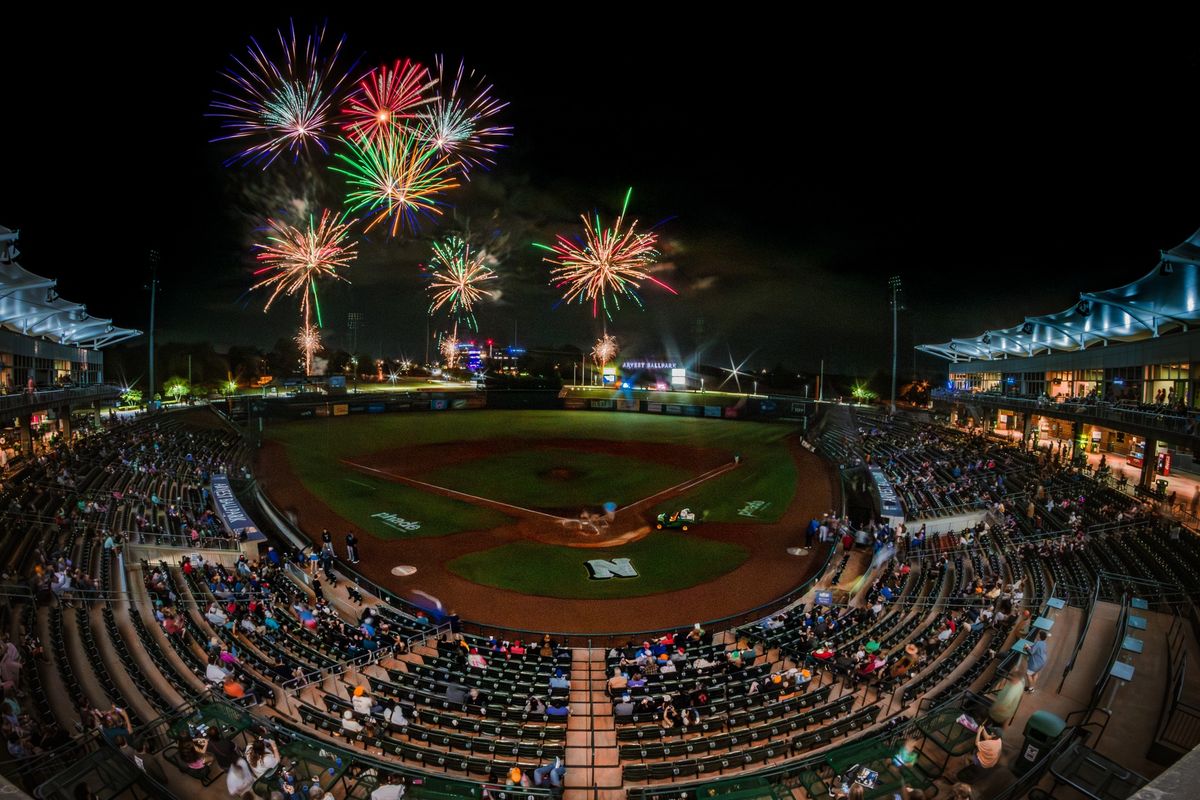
pixel 349 723
pixel 391 789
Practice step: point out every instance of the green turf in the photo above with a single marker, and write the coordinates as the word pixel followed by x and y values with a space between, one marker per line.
pixel 358 498
pixel 316 447
pixel 558 478
pixel 665 561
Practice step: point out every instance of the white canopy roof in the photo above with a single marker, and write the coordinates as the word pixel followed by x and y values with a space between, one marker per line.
pixel 29 305
pixel 1165 299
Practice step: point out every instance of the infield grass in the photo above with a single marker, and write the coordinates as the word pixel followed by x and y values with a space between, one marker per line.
pixel 664 560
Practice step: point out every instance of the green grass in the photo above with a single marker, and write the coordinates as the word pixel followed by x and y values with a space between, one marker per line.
pixel 759 490
pixel 521 478
pixel 315 448
pixel 665 561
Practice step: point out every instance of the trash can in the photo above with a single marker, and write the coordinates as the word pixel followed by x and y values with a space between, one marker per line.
pixel 1042 732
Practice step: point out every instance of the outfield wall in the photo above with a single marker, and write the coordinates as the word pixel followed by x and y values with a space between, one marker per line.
pixel 760 408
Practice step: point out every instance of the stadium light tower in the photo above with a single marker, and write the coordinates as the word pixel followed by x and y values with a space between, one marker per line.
pixel 894 285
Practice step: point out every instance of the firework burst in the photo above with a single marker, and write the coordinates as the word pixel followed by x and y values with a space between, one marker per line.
pixel 449 349
pixel 272 108
pixel 605 350
pixel 458 276
pixel 387 97
pixel 394 177
pixel 308 339
pixel 458 121
pixel 607 262
pixel 297 257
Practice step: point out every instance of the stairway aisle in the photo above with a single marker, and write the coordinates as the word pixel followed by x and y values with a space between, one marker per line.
pixel 591 736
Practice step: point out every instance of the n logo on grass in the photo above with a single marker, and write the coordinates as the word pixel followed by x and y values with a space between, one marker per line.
pixel 600 569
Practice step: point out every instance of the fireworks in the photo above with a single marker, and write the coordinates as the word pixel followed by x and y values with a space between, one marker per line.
pixel 386 97
pixel 395 177
pixel 309 342
pixel 297 257
pixel 608 261
pixel 449 349
pixel 458 275
pixel 456 123
pixel 272 108
pixel 605 350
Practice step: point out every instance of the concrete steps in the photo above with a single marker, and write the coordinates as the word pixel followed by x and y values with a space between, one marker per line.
pixel 592 765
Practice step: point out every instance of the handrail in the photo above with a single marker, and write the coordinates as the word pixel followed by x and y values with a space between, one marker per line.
pixel 1087 624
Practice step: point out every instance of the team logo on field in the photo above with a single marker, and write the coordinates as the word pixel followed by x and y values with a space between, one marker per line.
pixel 600 569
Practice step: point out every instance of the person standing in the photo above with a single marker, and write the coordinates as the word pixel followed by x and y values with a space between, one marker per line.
pixel 1037 659
pixel 326 541
pixel 351 548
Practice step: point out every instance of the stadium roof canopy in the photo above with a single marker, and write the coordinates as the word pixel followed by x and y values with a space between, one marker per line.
pixel 1165 299
pixel 29 305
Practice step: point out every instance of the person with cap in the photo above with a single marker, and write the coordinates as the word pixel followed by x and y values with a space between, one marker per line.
pixel 559 681
pixel 350 725
pixel 624 707
pixel 906 662
pixel 363 704
pixel 351 547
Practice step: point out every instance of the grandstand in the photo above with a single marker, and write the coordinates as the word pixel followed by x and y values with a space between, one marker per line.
pixel 154 648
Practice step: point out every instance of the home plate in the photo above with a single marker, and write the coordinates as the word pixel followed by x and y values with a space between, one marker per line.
pixel 403 570
pixel 797 551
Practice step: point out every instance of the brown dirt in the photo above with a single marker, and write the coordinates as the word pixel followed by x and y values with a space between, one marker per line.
pixel 768 573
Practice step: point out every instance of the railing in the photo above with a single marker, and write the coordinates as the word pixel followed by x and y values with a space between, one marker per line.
pixel 1185 423
pixel 182 541
pixel 301 682
pixel 1179 721
pixel 15 402
pixel 1087 624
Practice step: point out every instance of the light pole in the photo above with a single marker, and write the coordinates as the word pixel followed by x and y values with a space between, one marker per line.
pixel 894 284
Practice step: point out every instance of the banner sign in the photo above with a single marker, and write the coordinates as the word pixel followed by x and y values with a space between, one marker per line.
pixel 712 411
pixel 824 598
pixel 230 510
pixel 605 404
pixel 627 405
pixel 574 403
pixel 654 408
pixel 672 409
pixel 889 503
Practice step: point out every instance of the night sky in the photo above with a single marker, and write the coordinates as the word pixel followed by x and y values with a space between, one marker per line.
pixel 800 167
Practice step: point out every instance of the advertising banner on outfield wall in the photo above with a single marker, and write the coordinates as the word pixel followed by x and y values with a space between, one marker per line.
pixel 731 412
pixel 712 411
pixel 606 405
pixel 654 408
pixel 340 409
pixel 674 409
pixel 230 510
pixel 575 403
pixel 627 405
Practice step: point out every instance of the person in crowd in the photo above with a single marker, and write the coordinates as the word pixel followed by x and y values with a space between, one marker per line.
pixel 1037 659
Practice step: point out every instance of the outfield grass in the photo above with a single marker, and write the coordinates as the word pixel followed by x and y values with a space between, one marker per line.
pixel 665 561
pixel 315 448
pixel 532 478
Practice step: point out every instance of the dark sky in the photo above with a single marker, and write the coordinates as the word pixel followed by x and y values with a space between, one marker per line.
pixel 800 165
